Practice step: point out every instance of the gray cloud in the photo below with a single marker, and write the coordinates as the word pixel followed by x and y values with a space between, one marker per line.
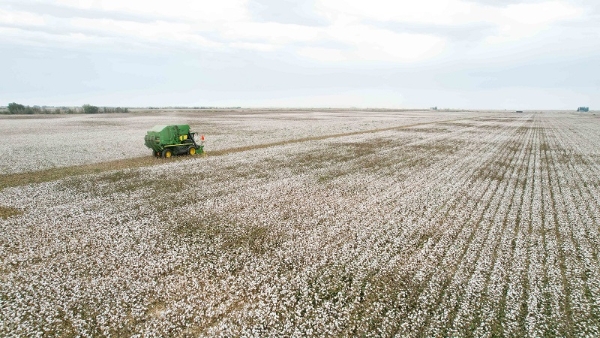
pixel 286 11
pixel 97 40
pixel 44 75
pixel 533 75
pixel 57 76
pixel 462 33
pixel 573 73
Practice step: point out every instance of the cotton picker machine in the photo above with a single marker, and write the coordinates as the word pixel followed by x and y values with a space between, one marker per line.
pixel 166 141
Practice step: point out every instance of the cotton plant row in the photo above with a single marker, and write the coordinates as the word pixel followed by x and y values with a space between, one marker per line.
pixel 324 246
pixel 571 241
pixel 475 216
pixel 454 252
pixel 580 205
pixel 426 231
pixel 68 193
pixel 38 143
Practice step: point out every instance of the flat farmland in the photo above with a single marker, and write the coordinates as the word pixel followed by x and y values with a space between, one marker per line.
pixel 302 223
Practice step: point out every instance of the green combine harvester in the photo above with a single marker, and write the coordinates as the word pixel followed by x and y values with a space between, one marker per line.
pixel 166 141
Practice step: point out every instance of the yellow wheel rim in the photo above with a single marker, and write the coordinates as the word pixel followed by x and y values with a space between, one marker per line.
pixel 192 151
pixel 167 154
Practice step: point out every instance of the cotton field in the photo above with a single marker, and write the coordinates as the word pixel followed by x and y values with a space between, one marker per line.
pixel 29 143
pixel 316 223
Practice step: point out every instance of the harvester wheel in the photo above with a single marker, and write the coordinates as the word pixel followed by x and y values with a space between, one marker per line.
pixel 192 151
pixel 167 153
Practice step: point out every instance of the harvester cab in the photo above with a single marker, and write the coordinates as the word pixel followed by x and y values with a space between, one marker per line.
pixel 166 141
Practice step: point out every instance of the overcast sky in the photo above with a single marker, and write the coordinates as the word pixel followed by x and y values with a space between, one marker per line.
pixel 511 54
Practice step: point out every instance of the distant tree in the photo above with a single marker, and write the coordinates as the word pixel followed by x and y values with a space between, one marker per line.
pixel 15 108
pixel 89 109
pixel 108 110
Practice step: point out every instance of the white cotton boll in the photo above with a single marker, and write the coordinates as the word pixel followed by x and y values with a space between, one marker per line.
pixel 432 229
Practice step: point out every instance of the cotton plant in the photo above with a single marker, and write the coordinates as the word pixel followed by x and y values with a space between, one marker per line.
pixel 43 142
pixel 487 226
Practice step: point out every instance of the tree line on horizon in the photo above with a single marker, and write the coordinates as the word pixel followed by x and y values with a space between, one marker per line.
pixel 16 108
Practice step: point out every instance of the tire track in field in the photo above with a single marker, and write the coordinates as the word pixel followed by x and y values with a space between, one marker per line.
pixel 18 179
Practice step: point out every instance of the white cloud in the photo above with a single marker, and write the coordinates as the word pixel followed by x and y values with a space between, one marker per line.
pixel 270 32
pixel 543 13
pixel 513 21
pixel 158 33
pixel 366 43
pixel 10 18
pixel 43 39
pixel 195 11
pixel 422 11
pixel 225 24
pixel 262 47
pixel 352 35
pixel 438 12
pixel 323 54
pixel 520 21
